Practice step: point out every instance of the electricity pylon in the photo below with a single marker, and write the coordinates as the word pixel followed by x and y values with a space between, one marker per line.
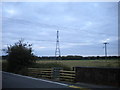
pixel 57 50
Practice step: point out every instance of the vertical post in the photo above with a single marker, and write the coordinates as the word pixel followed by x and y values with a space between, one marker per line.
pixel 56 72
pixel 105 49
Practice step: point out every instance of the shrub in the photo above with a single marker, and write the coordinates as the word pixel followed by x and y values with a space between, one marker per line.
pixel 19 56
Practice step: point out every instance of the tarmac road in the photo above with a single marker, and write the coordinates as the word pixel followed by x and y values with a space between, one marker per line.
pixel 10 80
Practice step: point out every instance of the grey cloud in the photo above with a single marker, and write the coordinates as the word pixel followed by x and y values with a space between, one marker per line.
pixel 80 25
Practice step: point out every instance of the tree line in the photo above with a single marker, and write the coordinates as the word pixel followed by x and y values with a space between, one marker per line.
pixel 71 57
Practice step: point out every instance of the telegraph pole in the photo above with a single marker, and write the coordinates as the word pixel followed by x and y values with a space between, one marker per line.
pixel 57 50
pixel 105 49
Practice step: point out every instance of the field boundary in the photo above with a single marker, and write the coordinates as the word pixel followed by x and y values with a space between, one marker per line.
pixel 62 75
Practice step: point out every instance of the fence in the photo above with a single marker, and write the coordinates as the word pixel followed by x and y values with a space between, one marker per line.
pixel 46 73
pixel 34 72
pixel 67 76
pixel 52 73
pixel 40 72
pixel 95 75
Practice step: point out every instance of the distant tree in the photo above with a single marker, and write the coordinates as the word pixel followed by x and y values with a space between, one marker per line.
pixel 19 56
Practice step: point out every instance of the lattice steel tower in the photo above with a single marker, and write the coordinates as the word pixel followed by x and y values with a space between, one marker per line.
pixel 57 50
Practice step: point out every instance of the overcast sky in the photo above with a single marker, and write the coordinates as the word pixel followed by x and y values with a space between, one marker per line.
pixel 83 26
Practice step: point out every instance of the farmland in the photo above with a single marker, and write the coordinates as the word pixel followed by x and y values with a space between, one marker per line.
pixel 88 63
pixel 69 64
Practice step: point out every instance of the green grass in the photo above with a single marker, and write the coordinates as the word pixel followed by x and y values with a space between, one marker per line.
pixel 85 63
pixel 69 64
pixel 50 65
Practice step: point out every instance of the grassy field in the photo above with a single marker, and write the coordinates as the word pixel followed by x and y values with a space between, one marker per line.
pixel 91 63
pixel 69 64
